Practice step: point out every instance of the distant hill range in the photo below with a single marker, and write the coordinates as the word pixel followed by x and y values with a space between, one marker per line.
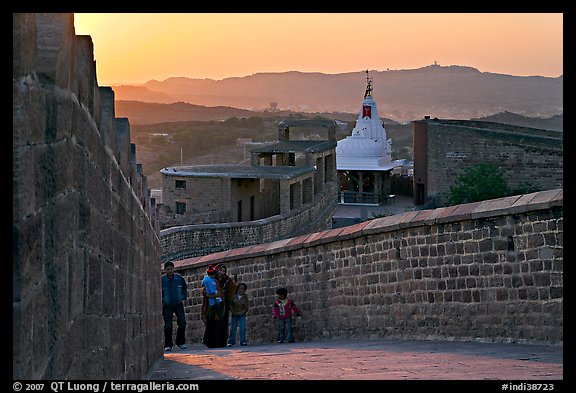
pixel 456 92
pixel 144 113
pixel 151 113
pixel 553 123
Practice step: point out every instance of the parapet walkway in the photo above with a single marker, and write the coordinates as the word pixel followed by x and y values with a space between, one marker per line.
pixel 365 360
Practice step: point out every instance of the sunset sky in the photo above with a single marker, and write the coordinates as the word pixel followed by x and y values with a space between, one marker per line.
pixel 135 48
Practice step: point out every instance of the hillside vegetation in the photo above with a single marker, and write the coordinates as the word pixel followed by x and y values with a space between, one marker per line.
pixel 457 92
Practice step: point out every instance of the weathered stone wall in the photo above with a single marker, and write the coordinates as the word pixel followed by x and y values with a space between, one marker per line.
pixel 490 271
pixel 194 240
pixel 86 251
pixel 527 156
pixel 194 194
pixel 242 191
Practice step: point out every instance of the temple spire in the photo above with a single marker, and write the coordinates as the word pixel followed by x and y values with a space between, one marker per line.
pixel 368 86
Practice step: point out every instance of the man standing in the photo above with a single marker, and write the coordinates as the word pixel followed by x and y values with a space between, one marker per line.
pixel 174 291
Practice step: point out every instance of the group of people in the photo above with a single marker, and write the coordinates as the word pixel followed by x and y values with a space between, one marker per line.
pixel 223 301
pixel 220 298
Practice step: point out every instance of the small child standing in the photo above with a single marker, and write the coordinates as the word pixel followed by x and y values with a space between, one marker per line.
pixel 282 312
pixel 239 305
pixel 209 282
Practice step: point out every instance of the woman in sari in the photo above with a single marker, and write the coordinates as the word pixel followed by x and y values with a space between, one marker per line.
pixel 213 316
pixel 228 288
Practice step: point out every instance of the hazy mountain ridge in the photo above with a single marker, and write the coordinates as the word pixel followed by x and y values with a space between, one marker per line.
pixel 151 113
pixel 146 113
pixel 439 91
pixel 553 123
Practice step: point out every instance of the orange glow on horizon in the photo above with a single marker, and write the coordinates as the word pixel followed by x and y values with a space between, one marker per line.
pixel 135 48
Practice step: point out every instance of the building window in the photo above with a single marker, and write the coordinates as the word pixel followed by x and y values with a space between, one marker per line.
pixel 180 207
pixel 180 183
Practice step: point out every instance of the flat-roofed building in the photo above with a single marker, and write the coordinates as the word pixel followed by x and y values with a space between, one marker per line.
pixel 530 158
pixel 289 189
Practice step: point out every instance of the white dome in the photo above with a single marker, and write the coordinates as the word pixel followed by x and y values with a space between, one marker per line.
pixel 362 153
pixel 368 137
pixel 367 147
pixel 360 147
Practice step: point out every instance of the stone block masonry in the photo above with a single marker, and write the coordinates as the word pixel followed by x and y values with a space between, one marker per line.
pixel 488 271
pixel 86 250
pixel 528 157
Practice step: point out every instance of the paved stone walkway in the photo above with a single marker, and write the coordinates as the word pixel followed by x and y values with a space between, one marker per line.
pixel 352 214
pixel 401 204
pixel 365 360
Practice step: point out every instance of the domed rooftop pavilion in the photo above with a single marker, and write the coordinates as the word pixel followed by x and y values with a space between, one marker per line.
pixel 363 159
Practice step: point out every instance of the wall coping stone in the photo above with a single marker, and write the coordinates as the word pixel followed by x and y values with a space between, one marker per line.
pixel 296 242
pixel 313 239
pixel 349 232
pixel 440 213
pixel 489 208
pixel 389 222
pixel 494 206
pixel 410 219
pixel 462 212
pixel 278 245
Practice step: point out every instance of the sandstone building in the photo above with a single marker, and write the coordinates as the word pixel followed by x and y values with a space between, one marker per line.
pixel 443 148
pixel 288 190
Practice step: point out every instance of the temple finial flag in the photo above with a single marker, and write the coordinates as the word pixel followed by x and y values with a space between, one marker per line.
pixel 368 85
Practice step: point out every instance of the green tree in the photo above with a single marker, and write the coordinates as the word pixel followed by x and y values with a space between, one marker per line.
pixel 525 188
pixel 478 183
pixel 252 122
pixel 232 122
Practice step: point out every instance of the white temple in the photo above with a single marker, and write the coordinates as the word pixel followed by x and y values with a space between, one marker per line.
pixel 363 159
pixel 367 148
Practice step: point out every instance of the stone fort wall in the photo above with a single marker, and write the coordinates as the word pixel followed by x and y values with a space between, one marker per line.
pixel 86 250
pixel 528 156
pixel 188 241
pixel 490 271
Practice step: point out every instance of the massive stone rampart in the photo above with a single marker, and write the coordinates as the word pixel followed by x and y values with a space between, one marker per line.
pixel 86 249
pixel 490 271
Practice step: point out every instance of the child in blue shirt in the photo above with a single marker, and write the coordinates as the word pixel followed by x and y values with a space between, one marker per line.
pixel 209 282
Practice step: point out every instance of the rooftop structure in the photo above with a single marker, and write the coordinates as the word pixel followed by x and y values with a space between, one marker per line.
pixel 367 148
pixel 296 147
pixel 238 171
pixel 289 184
pixel 364 159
